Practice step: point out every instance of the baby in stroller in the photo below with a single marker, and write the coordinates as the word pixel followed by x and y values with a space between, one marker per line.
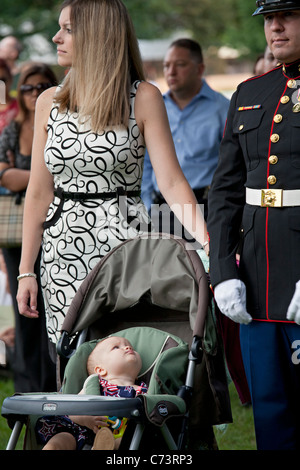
pixel 117 366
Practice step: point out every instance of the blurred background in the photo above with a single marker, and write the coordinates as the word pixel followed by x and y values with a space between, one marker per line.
pixel 230 37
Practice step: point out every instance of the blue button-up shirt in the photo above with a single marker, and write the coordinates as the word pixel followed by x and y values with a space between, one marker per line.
pixel 197 131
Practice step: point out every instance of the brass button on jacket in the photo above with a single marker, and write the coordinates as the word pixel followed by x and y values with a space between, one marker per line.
pixel 274 138
pixel 278 118
pixel 292 83
pixel 273 159
pixel 272 179
pixel 285 99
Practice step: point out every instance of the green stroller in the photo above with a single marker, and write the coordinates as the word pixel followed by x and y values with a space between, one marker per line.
pixel 154 291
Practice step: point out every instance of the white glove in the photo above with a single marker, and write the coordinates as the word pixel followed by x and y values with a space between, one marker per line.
pixel 230 296
pixel 293 312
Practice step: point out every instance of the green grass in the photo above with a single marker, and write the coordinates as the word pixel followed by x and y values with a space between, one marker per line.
pixel 238 436
pixel 6 390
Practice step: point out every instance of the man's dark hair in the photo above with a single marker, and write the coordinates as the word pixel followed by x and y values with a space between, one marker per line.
pixel 193 46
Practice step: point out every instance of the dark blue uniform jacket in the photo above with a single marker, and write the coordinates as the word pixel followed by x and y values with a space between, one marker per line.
pixel 261 150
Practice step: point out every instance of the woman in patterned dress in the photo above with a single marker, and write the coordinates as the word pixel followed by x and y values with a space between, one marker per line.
pixel 89 144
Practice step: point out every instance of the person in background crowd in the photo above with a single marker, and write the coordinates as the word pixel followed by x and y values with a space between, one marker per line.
pixel 270 62
pixel 259 65
pixel 33 369
pixel 265 62
pixel 5 296
pixel 9 106
pixel 197 116
pixel 7 329
pixel 10 50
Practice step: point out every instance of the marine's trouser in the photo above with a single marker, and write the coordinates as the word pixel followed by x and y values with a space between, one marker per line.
pixel 271 354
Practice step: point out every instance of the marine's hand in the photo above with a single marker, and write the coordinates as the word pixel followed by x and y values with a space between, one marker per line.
pixel 230 297
pixel 293 312
pixel 27 297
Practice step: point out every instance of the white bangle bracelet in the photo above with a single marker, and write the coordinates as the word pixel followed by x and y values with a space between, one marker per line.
pixel 26 275
pixel 205 243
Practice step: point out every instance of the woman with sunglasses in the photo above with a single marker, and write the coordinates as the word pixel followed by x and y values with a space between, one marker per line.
pixel 32 367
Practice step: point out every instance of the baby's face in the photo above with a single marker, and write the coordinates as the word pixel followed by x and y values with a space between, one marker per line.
pixel 116 355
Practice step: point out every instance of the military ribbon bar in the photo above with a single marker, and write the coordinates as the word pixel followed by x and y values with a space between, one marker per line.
pixel 246 108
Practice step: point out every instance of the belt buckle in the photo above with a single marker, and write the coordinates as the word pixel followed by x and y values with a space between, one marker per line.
pixel 271 198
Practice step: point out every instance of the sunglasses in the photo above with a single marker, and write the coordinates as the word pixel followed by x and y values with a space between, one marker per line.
pixel 39 88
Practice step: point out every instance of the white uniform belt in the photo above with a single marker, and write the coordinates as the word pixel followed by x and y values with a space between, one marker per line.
pixel 273 197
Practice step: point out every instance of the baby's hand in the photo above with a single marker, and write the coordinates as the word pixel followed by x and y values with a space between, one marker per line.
pixel 92 422
pixel 96 422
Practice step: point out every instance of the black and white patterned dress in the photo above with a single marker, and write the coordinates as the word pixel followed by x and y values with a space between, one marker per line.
pixel 80 232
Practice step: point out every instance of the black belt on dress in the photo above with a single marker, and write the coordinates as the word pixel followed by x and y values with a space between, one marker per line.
pixel 80 196
pixel 200 193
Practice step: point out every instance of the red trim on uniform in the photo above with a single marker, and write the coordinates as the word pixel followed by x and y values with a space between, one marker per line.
pixel 267 208
pixel 272 70
pixel 289 65
pixel 273 321
pixel 289 78
pixel 262 75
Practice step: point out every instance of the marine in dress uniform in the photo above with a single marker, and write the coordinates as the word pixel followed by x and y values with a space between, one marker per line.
pixel 254 204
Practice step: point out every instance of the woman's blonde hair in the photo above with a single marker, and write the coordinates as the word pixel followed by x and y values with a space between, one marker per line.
pixel 106 60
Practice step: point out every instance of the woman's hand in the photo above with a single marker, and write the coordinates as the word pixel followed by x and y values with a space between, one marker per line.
pixel 27 297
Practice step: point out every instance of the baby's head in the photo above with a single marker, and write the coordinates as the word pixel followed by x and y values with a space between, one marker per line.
pixel 113 358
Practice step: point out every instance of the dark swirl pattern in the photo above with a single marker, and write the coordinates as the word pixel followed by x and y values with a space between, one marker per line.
pixel 85 231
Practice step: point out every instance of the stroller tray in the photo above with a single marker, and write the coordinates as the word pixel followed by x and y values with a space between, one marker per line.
pixel 69 404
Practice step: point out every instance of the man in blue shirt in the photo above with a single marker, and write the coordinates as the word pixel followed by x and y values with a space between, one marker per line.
pixel 197 116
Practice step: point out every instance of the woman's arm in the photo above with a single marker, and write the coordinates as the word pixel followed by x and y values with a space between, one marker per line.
pixel 153 121
pixel 12 178
pixel 39 194
pixel 15 179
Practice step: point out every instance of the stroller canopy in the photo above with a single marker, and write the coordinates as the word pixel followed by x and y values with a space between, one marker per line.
pixel 160 268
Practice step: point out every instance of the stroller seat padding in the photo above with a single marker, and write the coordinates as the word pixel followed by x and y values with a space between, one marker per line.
pixel 164 360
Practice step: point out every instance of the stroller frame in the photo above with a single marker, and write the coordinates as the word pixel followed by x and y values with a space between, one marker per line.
pixel 18 408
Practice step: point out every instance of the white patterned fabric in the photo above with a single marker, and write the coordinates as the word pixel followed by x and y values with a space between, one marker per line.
pixel 79 235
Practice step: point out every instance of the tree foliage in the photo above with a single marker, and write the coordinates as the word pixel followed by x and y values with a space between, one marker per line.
pixel 212 22
pixel 42 14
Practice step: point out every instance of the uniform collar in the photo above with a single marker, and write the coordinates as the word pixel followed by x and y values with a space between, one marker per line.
pixel 291 70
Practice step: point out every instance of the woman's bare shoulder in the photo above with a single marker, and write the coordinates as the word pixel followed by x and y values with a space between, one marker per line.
pixel 44 105
pixel 45 99
pixel 147 92
pixel 148 99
